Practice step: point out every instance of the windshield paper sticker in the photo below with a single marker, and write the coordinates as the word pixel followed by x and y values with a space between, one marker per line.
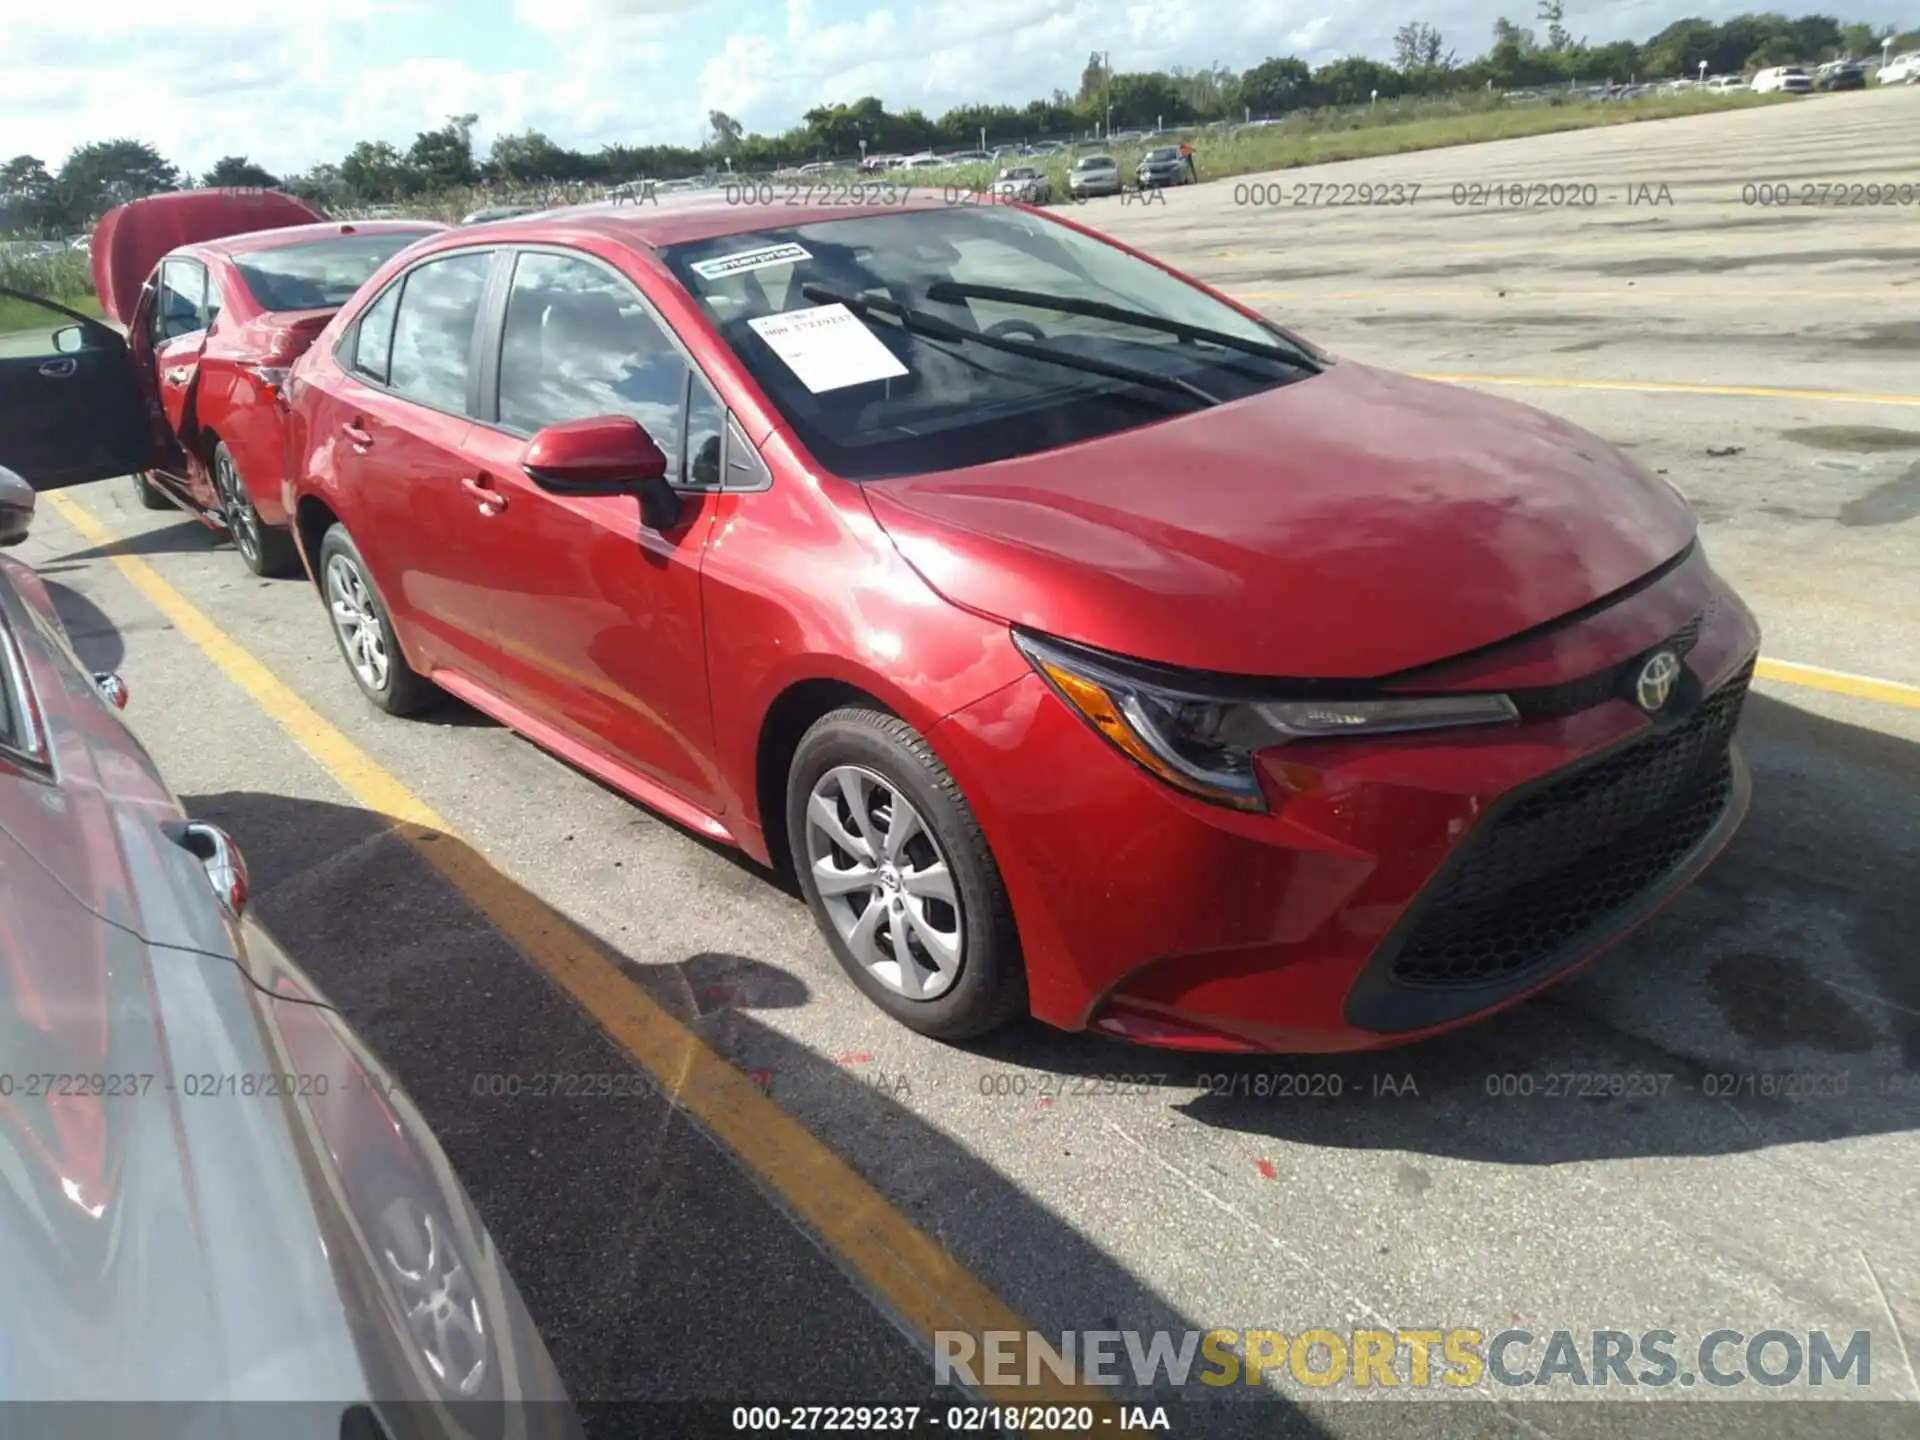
pixel 828 347
pixel 761 259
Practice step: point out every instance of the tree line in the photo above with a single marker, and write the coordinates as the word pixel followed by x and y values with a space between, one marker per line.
pixel 97 176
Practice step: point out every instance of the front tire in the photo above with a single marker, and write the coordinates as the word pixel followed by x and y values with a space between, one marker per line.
pixel 148 494
pixel 900 878
pixel 265 549
pixel 364 632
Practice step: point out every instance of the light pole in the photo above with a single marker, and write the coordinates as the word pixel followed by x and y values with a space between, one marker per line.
pixel 1886 51
pixel 1703 72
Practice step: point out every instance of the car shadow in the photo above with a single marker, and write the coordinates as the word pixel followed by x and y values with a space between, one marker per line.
pixel 655 1265
pixel 180 534
pixel 1774 1003
pixel 96 639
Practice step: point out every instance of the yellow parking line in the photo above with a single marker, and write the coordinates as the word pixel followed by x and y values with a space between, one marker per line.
pixel 1672 387
pixel 1840 682
pixel 908 1270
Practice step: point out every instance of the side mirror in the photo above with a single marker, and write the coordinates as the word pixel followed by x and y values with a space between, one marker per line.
pixel 606 455
pixel 70 339
pixel 16 508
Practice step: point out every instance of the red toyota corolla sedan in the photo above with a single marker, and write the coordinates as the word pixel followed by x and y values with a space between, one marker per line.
pixel 218 291
pixel 1088 645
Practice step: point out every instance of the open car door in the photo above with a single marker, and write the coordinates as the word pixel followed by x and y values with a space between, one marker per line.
pixel 71 405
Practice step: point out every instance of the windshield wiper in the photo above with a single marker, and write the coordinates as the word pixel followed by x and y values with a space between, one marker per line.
pixel 935 327
pixel 954 291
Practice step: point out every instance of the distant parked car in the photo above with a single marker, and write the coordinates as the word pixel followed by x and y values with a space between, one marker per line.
pixel 1726 84
pixel 1841 75
pixel 1902 69
pixel 1162 166
pixel 1094 175
pixel 1023 183
pixel 218 291
pixel 1783 79
pixel 209 1176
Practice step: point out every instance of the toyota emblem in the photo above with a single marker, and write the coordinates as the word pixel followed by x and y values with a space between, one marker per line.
pixel 1657 679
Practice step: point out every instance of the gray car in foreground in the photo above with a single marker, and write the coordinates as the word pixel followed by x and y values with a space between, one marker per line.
pixel 210 1190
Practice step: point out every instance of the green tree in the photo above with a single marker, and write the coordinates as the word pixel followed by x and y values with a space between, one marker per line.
pixel 1094 79
pixel 97 177
pixel 1353 80
pixel 1554 12
pixel 723 132
pixel 1275 86
pixel 375 171
pixel 27 197
pixel 530 156
pixel 444 157
pixel 1859 41
pixel 238 172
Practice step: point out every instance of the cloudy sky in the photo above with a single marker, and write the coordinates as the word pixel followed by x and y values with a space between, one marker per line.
pixel 292 82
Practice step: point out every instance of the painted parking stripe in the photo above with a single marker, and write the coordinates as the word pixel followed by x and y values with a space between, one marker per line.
pixel 1840 682
pixel 917 1282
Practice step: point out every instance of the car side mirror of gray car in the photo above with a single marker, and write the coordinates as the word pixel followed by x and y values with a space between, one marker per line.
pixel 16 508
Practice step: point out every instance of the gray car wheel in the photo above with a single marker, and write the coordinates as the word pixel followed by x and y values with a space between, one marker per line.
pixel 900 877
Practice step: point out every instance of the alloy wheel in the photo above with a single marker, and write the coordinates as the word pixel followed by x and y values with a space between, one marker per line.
pixel 884 882
pixel 356 617
pixel 243 521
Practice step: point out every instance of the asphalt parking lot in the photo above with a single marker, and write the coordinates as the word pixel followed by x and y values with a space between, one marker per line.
pixel 1764 357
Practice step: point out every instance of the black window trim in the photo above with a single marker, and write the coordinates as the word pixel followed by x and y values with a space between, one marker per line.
pixel 475 353
pixel 25 743
pixel 494 317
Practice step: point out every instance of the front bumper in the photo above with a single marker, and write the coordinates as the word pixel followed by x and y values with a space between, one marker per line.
pixel 1400 885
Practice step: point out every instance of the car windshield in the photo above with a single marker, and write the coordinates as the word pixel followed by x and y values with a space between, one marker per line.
pixel 321 274
pixel 1168 153
pixel 872 395
pixel 1094 162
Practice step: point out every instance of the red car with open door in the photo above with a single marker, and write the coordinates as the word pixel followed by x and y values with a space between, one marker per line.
pixel 212 295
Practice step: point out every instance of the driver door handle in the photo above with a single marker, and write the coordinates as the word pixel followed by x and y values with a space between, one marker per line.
pixel 492 502
pixel 59 369
pixel 360 438
pixel 178 374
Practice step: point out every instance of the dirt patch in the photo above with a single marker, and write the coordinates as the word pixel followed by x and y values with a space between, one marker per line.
pixel 1719 264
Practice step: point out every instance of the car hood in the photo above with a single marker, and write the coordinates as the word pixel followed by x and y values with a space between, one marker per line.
pixel 131 238
pixel 1351 525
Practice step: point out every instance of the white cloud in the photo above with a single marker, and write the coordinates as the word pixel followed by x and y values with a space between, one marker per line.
pixel 291 84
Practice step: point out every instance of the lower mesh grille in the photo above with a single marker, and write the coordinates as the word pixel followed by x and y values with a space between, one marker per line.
pixel 1566 856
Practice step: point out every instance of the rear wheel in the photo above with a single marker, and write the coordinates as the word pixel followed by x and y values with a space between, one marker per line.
pixel 365 633
pixel 148 494
pixel 899 877
pixel 266 549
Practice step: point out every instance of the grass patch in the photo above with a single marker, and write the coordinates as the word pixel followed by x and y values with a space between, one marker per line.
pixel 18 317
pixel 1405 128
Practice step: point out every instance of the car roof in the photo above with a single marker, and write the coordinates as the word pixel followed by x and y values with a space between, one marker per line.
pixel 282 236
pixel 678 218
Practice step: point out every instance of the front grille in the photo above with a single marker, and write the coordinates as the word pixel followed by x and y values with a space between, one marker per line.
pixel 1570 697
pixel 1561 859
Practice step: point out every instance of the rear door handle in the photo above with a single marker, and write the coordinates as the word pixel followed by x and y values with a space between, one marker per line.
pixel 59 369
pixel 179 374
pixel 492 502
pixel 360 438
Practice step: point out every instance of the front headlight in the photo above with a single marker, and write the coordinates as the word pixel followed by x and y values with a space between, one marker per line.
pixel 1204 744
